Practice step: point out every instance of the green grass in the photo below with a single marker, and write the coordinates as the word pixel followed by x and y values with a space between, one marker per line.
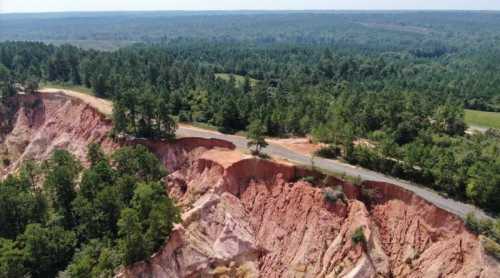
pixel 240 79
pixel 64 86
pixel 482 119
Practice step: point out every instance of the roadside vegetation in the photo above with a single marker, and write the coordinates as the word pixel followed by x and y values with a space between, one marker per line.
pixel 489 231
pixel 57 218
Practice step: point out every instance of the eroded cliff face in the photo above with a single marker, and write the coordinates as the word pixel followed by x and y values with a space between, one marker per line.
pixel 246 217
pixel 44 122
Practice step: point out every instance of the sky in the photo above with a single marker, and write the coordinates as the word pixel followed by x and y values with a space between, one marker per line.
pixel 13 6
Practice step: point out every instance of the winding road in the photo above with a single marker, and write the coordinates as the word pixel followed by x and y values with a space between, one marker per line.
pixel 458 208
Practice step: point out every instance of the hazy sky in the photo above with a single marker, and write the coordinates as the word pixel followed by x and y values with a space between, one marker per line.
pixel 118 5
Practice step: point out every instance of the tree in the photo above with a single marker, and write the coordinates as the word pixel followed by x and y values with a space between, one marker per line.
pixel 19 207
pixel 6 84
pixel 31 86
pixel 60 183
pixel 247 85
pixel 256 137
pixel 95 259
pixel 12 260
pixel 139 162
pixel 449 119
pixel 95 154
pixel 131 243
pixel 145 226
pixel 100 86
pixel 120 119
pixel 47 249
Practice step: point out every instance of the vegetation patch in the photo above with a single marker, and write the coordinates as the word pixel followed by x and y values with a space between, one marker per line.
pixel 358 237
pixel 482 118
pixel 491 247
pixel 332 195
pixel 331 152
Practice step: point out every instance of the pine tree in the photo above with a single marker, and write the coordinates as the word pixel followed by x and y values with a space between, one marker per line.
pixel 256 137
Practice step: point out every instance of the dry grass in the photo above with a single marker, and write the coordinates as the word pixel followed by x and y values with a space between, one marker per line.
pixel 102 105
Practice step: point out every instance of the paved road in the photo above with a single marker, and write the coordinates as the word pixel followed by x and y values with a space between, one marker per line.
pixel 274 150
pixel 455 207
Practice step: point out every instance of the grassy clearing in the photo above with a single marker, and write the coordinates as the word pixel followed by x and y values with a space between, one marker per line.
pixel 482 119
pixel 63 86
pixel 240 79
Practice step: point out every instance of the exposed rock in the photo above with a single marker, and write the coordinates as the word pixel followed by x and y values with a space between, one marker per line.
pixel 44 123
pixel 291 230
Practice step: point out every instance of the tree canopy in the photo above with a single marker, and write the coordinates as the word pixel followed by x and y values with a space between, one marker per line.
pixel 118 213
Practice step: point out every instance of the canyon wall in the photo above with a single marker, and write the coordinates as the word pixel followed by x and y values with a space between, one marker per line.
pixel 248 217
pixel 45 122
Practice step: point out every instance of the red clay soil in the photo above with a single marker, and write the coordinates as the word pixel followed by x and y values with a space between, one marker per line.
pixel 247 217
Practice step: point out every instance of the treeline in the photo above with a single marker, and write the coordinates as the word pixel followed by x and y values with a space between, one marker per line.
pixel 57 218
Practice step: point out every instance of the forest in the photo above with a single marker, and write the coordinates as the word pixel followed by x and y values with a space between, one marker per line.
pixel 118 215
pixel 399 81
pixel 411 105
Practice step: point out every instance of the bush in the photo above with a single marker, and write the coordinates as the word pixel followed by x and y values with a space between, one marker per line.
pixel 368 193
pixel 487 227
pixel 185 116
pixel 358 237
pixel 471 222
pixel 330 152
pixel 332 196
pixel 309 179
pixel 491 247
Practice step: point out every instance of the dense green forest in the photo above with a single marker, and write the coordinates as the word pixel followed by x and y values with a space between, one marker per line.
pixel 119 214
pixel 400 80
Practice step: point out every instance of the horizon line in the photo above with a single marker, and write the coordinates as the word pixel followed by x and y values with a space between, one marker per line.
pixel 250 10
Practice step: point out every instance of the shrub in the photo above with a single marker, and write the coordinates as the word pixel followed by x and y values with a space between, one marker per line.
pixel 332 195
pixel 491 247
pixel 486 227
pixel 331 152
pixel 356 180
pixel 368 193
pixel 185 116
pixel 471 222
pixel 358 237
pixel 309 179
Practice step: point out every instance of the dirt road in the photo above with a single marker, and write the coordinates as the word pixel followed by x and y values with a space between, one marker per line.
pixel 275 150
